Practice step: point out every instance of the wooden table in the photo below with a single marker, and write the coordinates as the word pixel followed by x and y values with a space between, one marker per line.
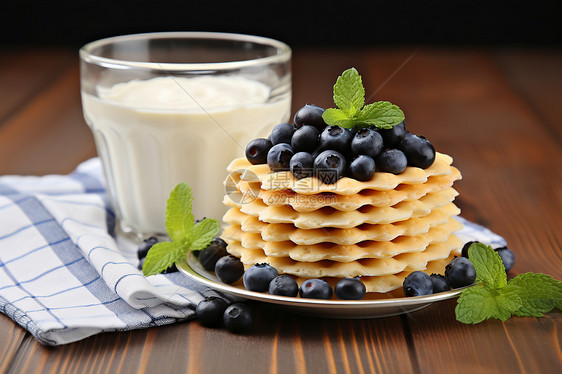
pixel 497 112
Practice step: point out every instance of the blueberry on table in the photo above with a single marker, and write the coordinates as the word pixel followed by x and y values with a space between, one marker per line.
pixel 391 161
pixel 229 269
pixel 257 150
pixel 171 269
pixel 279 157
pixel 302 165
pixel 210 311
pixel 367 141
pixel 393 136
pixel 305 139
pixel 460 272
pixel 507 256
pixel 336 138
pixel 146 244
pixel 209 256
pixel 282 133
pixel 439 283
pixel 284 285
pixel 238 318
pixel 310 115
pixel 417 283
pixel 329 166
pixel 258 277
pixel 315 289
pixel 362 168
pixel 350 289
pixel 418 150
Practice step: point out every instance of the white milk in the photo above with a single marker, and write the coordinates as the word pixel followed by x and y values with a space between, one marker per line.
pixel 152 135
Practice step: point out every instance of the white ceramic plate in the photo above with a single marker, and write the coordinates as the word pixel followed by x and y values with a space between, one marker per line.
pixel 321 308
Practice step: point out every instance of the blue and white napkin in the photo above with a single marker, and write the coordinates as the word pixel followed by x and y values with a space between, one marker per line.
pixel 64 276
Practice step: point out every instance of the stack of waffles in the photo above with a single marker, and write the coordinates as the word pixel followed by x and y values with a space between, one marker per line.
pixel 379 230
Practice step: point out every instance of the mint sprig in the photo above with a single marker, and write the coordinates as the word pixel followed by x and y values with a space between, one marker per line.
pixel 526 295
pixel 185 235
pixel 351 111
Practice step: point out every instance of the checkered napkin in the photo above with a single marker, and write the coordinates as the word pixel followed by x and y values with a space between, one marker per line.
pixel 63 274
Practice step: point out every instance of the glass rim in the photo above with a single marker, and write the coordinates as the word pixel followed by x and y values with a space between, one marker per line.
pixel 87 51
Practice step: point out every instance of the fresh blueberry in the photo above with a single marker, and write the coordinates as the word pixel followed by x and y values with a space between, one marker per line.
pixel 417 283
pixel 362 168
pixel 391 161
pixel 315 289
pixel 507 256
pixel 439 283
pixel 229 269
pixel 350 289
pixel 257 151
pixel 367 141
pixel 258 277
pixel 279 157
pixel 393 136
pixel 310 115
pixel 418 150
pixel 282 133
pixel 210 311
pixel 460 272
pixel 305 139
pixel 238 318
pixel 141 263
pixel 329 166
pixel 171 269
pixel 209 256
pixel 302 165
pixel 336 138
pixel 283 285
pixel 465 247
pixel 146 244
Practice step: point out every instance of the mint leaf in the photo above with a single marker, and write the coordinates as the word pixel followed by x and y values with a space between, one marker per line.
pixel 539 293
pixel 161 256
pixel 381 114
pixel 336 117
pixel 203 233
pixel 488 265
pixel 349 93
pixel 179 219
pixel 479 303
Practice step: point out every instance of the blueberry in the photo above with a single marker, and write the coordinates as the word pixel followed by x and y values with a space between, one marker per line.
pixel 329 166
pixel 418 150
pixel 507 256
pixel 417 283
pixel 310 115
pixel 367 141
pixel 393 136
pixel 229 269
pixel 209 256
pixel 282 133
pixel 257 151
pixel 336 138
pixel 141 263
pixel 460 272
pixel 362 168
pixel 210 311
pixel 439 283
pixel 465 247
pixel 315 289
pixel 391 161
pixel 279 156
pixel 171 269
pixel 283 285
pixel 238 318
pixel 146 244
pixel 350 289
pixel 302 165
pixel 258 277
pixel 305 139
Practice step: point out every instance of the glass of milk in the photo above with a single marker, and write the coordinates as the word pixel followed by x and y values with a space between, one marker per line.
pixel 166 108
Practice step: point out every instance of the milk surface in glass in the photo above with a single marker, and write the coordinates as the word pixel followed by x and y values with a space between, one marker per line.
pixel 153 134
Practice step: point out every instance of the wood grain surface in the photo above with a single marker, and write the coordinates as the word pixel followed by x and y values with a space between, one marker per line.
pixel 497 112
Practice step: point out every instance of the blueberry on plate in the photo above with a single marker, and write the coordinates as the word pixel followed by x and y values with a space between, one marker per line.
pixel 305 139
pixel 238 318
pixel 393 136
pixel 257 151
pixel 284 285
pixel 336 138
pixel 146 244
pixel 362 168
pixel 310 114
pixel 507 256
pixel 209 256
pixel 367 141
pixel 391 161
pixel 439 283
pixel 210 311
pixel 465 247
pixel 282 133
pixel 315 289
pixel 258 277
pixel 460 272
pixel 229 269
pixel 417 283
pixel 418 150
pixel 350 289
pixel 302 165
pixel 279 157
pixel 329 166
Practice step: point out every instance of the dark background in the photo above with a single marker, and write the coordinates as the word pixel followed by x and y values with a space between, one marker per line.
pixel 298 23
